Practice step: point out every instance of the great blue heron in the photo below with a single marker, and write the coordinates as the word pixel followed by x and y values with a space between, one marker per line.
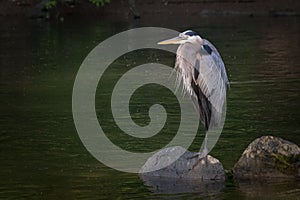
pixel 201 69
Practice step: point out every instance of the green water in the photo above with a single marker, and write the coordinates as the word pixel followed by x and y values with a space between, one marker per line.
pixel 41 153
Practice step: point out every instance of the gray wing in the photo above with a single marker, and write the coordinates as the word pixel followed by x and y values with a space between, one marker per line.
pixel 212 78
pixel 218 60
pixel 204 66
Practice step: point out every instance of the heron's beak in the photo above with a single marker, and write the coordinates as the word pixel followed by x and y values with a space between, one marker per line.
pixel 175 40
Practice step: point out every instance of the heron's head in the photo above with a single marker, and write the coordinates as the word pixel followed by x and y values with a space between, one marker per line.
pixel 184 37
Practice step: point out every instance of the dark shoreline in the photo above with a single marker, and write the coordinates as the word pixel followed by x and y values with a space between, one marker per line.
pixel 149 8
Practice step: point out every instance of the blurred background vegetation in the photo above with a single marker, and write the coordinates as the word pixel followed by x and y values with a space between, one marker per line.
pixel 138 8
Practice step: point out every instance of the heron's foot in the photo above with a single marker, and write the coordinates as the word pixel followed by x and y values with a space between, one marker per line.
pixel 194 156
pixel 199 155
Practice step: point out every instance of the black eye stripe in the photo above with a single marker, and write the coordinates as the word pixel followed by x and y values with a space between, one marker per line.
pixel 190 33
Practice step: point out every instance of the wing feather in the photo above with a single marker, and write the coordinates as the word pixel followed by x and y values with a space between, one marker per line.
pixel 212 79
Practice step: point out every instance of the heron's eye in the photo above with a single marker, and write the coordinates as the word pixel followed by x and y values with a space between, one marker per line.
pixel 183 36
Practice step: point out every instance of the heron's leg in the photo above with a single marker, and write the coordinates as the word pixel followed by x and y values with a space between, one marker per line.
pixel 202 155
pixel 205 150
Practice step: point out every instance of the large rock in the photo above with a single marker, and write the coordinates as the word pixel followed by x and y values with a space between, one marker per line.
pixel 187 167
pixel 269 157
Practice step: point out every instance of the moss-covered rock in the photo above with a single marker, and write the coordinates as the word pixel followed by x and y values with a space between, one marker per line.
pixel 269 157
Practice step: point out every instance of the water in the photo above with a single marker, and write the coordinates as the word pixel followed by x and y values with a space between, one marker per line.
pixel 41 153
